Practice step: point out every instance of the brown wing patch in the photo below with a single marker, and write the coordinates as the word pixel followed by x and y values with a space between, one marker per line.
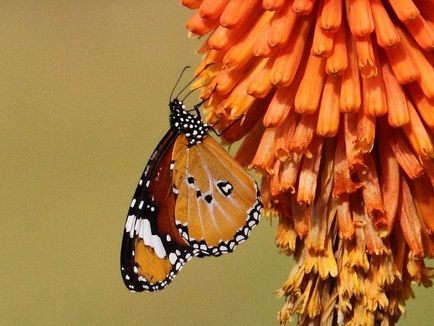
pixel 218 202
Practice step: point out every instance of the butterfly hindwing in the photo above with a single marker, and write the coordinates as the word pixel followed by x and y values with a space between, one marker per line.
pixel 218 202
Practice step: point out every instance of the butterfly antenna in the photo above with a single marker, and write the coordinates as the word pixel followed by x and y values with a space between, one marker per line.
pixel 198 105
pixel 195 89
pixel 194 78
pixel 177 81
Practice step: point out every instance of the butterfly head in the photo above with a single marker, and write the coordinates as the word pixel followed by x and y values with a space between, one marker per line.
pixel 183 122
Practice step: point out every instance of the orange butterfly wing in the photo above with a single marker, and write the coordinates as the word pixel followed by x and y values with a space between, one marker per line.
pixel 217 202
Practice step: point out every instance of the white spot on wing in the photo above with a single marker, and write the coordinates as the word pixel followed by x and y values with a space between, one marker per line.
pixel 172 258
pixel 130 222
pixel 158 247
pixel 147 234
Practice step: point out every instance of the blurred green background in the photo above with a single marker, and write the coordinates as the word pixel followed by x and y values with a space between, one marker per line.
pixel 84 87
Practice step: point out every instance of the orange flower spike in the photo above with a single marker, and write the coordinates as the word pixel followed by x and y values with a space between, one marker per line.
pixel 212 9
pixel 239 54
pixel 374 94
pixel 303 133
pixel 390 176
pixel 309 172
pixel 385 31
pixel 225 81
pixel 365 56
pixel 404 9
pixel 249 146
pixel 303 7
pixel 358 256
pixel 424 199
pixel 199 26
pixel 322 43
pixel 300 215
pixel 374 244
pixel 331 15
pixel 418 136
pixel 290 58
pixel 192 4
pixel 290 173
pixel 404 155
pixel 285 234
pixel 314 306
pixel 322 213
pixel 425 8
pixel 343 184
pixel 235 130
pixel 284 132
pixel 403 66
pixel 260 84
pixel 328 119
pixel 213 57
pixel 272 4
pixel 345 221
pixel 279 107
pixel 428 165
pixel 264 157
pixel 261 48
pixel 396 101
pixel 371 192
pixel 427 241
pixel 222 37
pixel 409 220
pixel 350 97
pixel 337 62
pixel 422 31
pixel 399 249
pixel 237 11
pixel 426 79
pixel 415 267
pixel 275 179
pixel 281 26
pixel 239 101
pixel 359 17
pixel 265 192
pixel 354 155
pixel 365 131
pixel 310 89
pixel 424 105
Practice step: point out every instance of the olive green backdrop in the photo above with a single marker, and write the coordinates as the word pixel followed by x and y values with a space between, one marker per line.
pixel 84 87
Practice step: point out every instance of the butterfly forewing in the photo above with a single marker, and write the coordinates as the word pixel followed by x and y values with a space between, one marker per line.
pixel 152 249
pixel 218 202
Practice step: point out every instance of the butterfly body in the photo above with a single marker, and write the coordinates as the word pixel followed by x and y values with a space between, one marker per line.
pixel 193 199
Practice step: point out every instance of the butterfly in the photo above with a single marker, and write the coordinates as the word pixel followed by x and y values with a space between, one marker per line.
pixel 193 199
